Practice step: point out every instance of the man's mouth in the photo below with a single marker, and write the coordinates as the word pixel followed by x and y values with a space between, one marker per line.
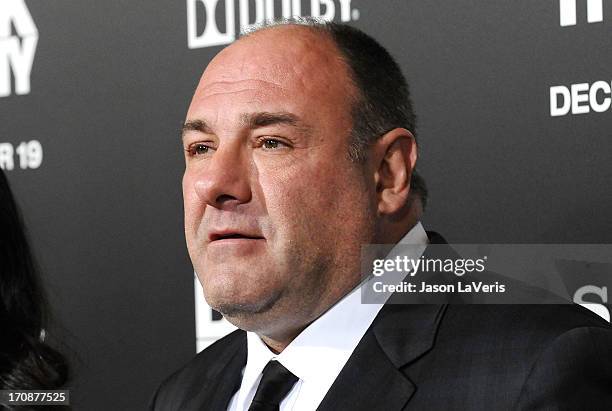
pixel 232 235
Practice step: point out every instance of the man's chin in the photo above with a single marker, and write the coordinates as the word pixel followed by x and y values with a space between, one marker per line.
pixel 242 313
pixel 244 309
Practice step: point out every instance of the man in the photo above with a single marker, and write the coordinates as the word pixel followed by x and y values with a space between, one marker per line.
pixel 300 148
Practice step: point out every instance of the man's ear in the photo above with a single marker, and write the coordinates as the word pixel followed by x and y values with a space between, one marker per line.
pixel 396 156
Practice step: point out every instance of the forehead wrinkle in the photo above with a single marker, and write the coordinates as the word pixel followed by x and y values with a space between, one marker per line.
pixel 225 86
pixel 241 83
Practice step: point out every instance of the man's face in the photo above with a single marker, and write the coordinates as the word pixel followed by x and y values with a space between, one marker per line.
pixel 275 212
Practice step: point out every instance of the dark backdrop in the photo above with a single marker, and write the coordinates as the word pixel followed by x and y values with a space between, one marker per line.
pixel 109 87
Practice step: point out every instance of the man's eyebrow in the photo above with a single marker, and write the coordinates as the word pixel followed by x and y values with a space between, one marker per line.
pixel 263 119
pixel 252 121
pixel 196 125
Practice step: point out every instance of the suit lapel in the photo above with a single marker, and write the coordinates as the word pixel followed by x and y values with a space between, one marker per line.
pixel 372 378
pixel 368 381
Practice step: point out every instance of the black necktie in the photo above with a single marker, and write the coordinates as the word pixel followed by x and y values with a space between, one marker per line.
pixel 275 384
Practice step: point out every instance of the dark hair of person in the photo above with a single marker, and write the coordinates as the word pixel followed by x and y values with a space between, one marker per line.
pixel 26 360
pixel 384 102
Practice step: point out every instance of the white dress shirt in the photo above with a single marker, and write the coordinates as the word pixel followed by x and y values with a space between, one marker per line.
pixel 318 354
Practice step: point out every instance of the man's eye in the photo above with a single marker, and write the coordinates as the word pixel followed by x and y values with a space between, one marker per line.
pixel 199 149
pixel 269 143
pixel 272 144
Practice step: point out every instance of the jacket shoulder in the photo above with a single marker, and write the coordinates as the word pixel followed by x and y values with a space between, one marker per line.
pixel 579 359
pixel 513 349
pixel 533 322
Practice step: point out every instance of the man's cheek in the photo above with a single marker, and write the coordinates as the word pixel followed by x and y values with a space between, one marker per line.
pixel 193 203
pixel 189 216
pixel 194 230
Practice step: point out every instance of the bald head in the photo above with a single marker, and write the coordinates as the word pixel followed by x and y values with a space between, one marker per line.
pixel 299 46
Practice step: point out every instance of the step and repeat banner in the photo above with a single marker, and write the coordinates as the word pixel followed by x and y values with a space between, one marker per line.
pixel 515 122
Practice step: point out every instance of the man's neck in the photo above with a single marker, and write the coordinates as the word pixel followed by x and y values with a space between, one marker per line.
pixel 278 341
pixel 277 345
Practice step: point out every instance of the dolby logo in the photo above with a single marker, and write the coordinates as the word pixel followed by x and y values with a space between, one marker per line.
pixel 213 22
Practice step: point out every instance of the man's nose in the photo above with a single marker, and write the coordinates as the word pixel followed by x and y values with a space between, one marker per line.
pixel 224 182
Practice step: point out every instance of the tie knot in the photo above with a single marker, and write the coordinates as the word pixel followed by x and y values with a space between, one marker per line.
pixel 275 384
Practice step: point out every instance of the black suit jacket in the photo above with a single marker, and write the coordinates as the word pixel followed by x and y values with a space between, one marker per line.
pixel 438 357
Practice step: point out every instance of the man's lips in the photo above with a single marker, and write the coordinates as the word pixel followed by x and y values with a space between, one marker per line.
pixel 222 235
